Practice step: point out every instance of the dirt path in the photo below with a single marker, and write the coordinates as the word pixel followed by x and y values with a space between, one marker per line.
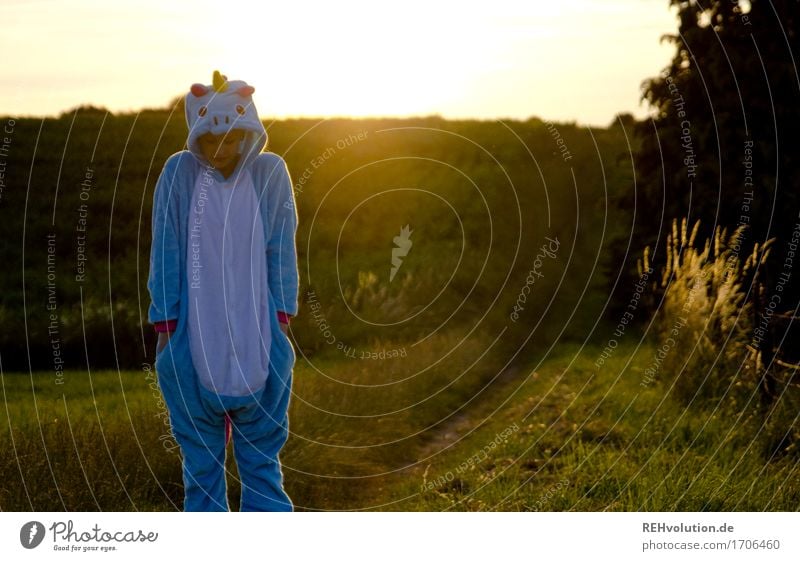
pixel 444 436
pixel 468 418
pixel 350 492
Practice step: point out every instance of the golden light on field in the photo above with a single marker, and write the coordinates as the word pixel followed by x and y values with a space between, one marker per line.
pixel 574 60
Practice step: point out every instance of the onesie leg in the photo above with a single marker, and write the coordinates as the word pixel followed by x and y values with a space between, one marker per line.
pixel 257 439
pixel 199 428
pixel 203 451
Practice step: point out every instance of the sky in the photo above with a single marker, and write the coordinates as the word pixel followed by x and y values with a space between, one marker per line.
pixel 566 60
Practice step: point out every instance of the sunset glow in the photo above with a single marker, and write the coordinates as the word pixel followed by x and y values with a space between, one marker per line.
pixel 576 60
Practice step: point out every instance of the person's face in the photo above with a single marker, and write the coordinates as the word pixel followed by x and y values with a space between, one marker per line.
pixel 221 151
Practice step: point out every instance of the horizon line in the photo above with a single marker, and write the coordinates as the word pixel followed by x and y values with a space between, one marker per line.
pixel 88 107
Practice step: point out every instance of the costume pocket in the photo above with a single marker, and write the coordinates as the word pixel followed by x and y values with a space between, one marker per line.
pixel 289 347
pixel 160 353
pixel 280 338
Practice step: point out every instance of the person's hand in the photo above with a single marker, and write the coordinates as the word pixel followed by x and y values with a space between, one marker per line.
pixel 163 338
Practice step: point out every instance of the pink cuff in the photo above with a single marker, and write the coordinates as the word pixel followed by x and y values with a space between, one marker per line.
pixel 167 325
pixel 283 317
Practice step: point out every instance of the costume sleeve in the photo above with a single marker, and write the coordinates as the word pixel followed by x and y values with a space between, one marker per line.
pixel 164 280
pixel 282 274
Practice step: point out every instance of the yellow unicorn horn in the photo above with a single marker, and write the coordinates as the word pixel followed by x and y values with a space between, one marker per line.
pixel 220 82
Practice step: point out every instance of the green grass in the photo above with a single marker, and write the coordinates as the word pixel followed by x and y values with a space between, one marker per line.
pixel 99 441
pixel 95 442
pixel 354 419
pixel 592 440
pixel 393 435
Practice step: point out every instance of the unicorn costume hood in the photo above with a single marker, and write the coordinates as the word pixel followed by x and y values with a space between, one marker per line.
pixel 219 107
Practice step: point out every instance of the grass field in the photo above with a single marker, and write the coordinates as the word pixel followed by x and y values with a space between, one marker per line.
pixel 397 435
pixel 590 440
pixel 101 441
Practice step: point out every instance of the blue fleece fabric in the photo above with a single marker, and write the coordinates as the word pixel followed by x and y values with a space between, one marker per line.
pixel 197 415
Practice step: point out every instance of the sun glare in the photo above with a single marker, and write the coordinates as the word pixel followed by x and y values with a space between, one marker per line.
pixel 349 58
pixel 396 64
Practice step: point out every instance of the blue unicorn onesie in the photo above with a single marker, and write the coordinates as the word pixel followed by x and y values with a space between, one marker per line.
pixel 223 270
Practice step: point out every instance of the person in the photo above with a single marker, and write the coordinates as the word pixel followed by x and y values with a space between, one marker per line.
pixel 223 284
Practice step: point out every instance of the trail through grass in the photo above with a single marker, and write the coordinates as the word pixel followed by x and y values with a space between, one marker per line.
pixel 395 435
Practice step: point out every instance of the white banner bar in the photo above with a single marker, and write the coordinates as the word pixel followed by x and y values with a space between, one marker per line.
pixel 399 536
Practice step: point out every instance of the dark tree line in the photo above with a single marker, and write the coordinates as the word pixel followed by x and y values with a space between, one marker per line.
pixel 722 144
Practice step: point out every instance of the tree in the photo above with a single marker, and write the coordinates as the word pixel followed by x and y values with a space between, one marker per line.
pixel 722 142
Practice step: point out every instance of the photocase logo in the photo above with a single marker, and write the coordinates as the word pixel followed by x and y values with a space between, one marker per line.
pixel 403 243
pixel 31 534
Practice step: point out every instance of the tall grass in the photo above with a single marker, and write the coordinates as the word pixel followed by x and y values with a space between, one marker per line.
pixel 704 323
pixel 708 355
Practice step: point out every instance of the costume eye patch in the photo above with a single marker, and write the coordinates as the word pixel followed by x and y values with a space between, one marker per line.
pixel 202 111
pixel 240 110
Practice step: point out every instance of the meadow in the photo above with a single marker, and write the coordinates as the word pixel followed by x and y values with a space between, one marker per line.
pixel 477 375
pixel 101 441
pixel 480 199
pixel 555 434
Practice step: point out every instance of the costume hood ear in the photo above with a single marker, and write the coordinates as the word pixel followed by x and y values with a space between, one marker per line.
pixel 198 90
